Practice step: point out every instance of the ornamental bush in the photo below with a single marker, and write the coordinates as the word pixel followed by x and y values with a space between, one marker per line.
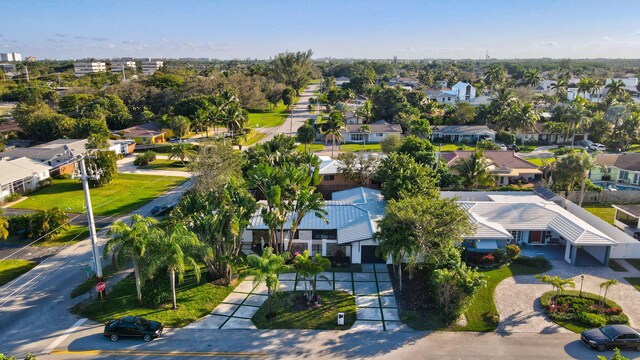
pixel 145 159
pixel 590 319
pixel 513 251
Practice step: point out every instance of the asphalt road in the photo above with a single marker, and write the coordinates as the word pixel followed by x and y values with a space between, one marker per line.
pixel 34 308
pixel 88 343
pixel 299 115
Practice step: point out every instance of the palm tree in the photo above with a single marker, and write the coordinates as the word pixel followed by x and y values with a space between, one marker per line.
pixel 531 78
pixel 606 285
pixel 585 85
pixel 557 283
pixel 236 118
pixel 588 162
pixel 559 86
pixel 365 112
pixel 332 129
pixel 309 268
pixel 182 152
pixel 615 88
pixel 4 226
pixel 523 118
pixel 578 115
pixel 365 129
pixel 47 224
pixel 475 172
pixel 496 76
pixel 131 241
pixel 307 201
pixel 174 251
pixel 266 268
pixel 394 244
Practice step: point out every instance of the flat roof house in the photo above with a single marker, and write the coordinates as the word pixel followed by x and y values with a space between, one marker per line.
pixel 459 133
pixel 21 175
pixel 530 221
pixel 376 132
pixel 352 219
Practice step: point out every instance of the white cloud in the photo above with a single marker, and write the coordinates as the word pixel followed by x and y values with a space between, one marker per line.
pixel 606 38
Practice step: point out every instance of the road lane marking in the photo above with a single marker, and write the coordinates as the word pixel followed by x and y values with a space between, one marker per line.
pixel 160 353
pixel 64 335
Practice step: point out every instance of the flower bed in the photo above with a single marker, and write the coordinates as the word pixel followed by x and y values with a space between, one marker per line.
pixel 578 313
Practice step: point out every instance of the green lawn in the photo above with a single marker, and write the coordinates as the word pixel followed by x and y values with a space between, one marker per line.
pixel 604 211
pixel 538 161
pixel 269 118
pixel 312 147
pixel 195 300
pixel 321 318
pixel 635 281
pixel 359 147
pixel 634 262
pixel 254 138
pixel 615 266
pixel 126 193
pixel 482 314
pixel 165 164
pixel 452 147
pixel 72 235
pixel 526 148
pixel 11 269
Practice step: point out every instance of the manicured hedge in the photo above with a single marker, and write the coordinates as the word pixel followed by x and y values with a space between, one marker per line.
pixel 577 312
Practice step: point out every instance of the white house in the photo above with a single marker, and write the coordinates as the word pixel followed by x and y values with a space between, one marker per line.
pixel 458 133
pixel 21 176
pixel 545 85
pixel 117 66
pixel 376 132
pixel 464 91
pixel 352 217
pixel 342 80
pixel 93 67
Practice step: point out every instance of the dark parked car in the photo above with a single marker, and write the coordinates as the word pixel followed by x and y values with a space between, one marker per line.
pixel 518 180
pixel 611 336
pixel 513 147
pixel 133 326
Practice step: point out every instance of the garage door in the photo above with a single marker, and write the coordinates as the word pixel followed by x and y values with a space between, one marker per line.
pixel 369 255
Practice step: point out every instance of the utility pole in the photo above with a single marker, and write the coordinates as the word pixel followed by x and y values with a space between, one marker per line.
pixel 92 225
pixel 124 75
pixel 26 69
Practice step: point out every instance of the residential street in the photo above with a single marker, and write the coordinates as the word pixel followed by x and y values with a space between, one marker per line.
pixel 88 343
pixel 34 307
pixel 298 116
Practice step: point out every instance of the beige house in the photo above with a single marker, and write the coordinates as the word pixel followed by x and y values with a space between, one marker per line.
pixel 506 165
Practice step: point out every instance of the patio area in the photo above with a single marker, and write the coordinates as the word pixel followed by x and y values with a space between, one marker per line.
pixel 556 252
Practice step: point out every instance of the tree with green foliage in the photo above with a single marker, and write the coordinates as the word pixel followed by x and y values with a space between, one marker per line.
pixel 569 171
pixel 288 96
pixel 332 128
pixel 265 269
pixel 102 168
pixel 421 128
pixel 182 152
pixel 306 135
pixel 606 285
pixel 522 118
pixel 131 241
pixel 401 176
pixel 496 76
pixel 360 169
pixel 305 201
pixel 213 166
pixel 48 224
pixel 474 172
pixel 421 150
pixel 180 125
pixel 453 287
pixel 463 114
pixel 4 226
pixel 531 78
pixel 293 69
pixel 391 143
pixel 308 268
pixel 112 109
pixel 487 145
pixel 174 250
pixel 557 283
pixel 390 104
pixel 85 127
pixel 163 81
pixel 365 112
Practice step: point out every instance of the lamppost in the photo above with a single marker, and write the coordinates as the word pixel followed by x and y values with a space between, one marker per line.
pixel 581 281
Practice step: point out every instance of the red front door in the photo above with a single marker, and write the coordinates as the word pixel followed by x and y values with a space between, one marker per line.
pixel 535 237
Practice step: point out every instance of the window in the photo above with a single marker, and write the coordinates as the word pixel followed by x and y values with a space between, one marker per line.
pixel 324 234
pixel 316 249
pixel 623 175
pixel 357 137
pixel 329 177
pixel 636 178
pixel 380 134
pixel 517 236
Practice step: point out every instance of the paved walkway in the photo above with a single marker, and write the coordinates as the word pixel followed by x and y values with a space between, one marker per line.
pixel 520 310
pixel 125 165
pixel 376 307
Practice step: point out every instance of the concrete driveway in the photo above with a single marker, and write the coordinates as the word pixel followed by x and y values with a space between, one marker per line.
pixel 520 310
pixel 125 165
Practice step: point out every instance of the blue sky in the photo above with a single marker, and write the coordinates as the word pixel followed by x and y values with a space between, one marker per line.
pixel 65 29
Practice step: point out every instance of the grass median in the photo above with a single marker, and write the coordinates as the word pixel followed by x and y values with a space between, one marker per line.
pixel 126 193
pixel 11 269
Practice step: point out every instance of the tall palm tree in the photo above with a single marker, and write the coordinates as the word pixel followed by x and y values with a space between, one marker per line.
pixel 174 251
pixel 523 118
pixel 365 129
pixel 607 284
pixel 182 151
pixel 266 268
pixel 557 283
pixel 496 76
pixel 559 86
pixel 131 241
pixel 475 172
pixel 395 244
pixel 585 85
pixel 531 78
pixel 47 224
pixel 309 268
pixel 365 112
pixel 588 162
pixel 332 129
pixel 615 88
pixel 307 201
pixel 579 118
pixel 236 118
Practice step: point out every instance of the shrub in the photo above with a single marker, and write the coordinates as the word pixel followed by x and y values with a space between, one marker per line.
pixel 536 262
pixel 145 159
pixel 618 319
pixel 506 137
pixel 563 151
pixel 513 251
pixel 19 225
pixel 488 259
pixel 156 291
pixel 12 197
pixel 562 316
pixel 590 319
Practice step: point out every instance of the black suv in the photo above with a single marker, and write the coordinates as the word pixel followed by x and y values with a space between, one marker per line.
pixel 133 326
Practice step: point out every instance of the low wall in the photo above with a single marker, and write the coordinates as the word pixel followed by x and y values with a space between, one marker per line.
pixel 609 197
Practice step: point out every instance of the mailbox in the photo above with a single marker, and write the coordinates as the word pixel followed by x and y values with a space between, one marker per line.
pixel 340 318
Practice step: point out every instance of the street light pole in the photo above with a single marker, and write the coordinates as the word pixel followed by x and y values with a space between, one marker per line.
pixel 92 225
pixel 581 281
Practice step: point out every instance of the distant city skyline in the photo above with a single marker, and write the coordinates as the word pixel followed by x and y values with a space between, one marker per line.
pixel 410 29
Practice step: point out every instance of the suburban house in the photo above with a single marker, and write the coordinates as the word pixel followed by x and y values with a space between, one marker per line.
pixel 122 147
pixel 461 133
pixel 445 96
pixel 406 83
pixel 627 218
pixel 503 218
pixel 148 133
pixel 506 165
pixel 333 180
pixel 540 134
pixel 464 91
pixel 21 175
pixel 58 155
pixel 342 80
pixel 375 133
pixel 595 96
pixel 352 218
pixel 545 86
pixel 622 168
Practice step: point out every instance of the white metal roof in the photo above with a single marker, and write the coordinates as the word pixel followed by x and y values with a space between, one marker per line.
pixel 19 169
